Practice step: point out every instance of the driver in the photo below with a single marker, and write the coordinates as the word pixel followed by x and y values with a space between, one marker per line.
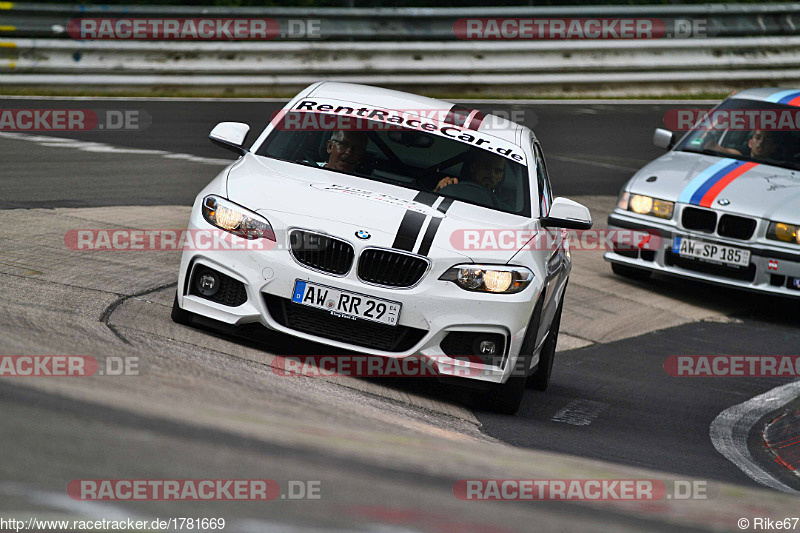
pixel 481 167
pixel 345 150
pixel 762 144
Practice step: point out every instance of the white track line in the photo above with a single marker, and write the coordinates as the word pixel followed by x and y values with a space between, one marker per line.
pixel 79 508
pixel 88 146
pixel 730 429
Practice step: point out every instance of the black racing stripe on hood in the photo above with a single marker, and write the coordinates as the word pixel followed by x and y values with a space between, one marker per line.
pixel 445 205
pixel 426 198
pixel 409 228
pixel 430 234
pixel 433 227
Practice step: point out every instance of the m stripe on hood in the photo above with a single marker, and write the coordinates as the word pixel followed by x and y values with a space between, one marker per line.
pixel 707 185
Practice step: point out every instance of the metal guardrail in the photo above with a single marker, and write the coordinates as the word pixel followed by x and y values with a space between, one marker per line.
pixel 457 59
pixel 409 48
pixel 522 65
pixel 388 24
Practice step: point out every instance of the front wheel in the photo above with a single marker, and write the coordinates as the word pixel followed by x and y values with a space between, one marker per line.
pixel 540 379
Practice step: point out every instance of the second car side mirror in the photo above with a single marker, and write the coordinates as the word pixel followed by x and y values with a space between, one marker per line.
pixel 231 136
pixel 663 138
pixel 567 214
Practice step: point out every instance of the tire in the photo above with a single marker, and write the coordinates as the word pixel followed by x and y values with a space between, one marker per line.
pixel 540 379
pixel 179 315
pixel 506 398
pixel 630 272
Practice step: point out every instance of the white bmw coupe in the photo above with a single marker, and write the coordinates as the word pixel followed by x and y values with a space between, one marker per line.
pixel 372 219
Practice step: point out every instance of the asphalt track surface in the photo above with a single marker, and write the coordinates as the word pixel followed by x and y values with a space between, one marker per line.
pixel 590 149
pixel 609 400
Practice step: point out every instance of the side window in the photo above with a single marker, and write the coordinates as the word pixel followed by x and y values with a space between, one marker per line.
pixel 545 192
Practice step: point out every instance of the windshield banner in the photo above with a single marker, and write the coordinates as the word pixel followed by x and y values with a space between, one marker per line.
pixel 455 123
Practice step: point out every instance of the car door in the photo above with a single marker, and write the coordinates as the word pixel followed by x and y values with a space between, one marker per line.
pixel 557 263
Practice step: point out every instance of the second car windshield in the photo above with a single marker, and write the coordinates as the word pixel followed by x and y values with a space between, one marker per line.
pixel 409 158
pixel 750 130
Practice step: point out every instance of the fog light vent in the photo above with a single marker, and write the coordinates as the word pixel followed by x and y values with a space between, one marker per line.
pixel 489 348
pixel 217 287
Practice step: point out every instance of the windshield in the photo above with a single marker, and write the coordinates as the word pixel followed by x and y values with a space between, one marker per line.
pixel 749 130
pixel 406 157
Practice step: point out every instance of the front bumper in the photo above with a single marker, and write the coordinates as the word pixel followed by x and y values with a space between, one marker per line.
pixel 773 268
pixel 430 310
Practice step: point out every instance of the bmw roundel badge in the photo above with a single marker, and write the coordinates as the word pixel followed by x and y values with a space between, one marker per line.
pixel 723 201
pixel 361 234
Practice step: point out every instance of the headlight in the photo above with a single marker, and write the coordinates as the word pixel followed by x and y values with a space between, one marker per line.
pixel 779 231
pixel 235 219
pixel 645 205
pixel 489 278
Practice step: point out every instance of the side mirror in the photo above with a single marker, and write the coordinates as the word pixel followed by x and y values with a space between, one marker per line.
pixel 230 135
pixel 664 138
pixel 567 214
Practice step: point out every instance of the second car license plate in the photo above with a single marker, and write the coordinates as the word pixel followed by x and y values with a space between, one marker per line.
pixel 346 304
pixel 718 253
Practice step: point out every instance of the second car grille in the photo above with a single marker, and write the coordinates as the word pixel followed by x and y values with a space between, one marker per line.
pixel 736 227
pixel 699 219
pixel 732 226
pixel 321 252
pixel 385 267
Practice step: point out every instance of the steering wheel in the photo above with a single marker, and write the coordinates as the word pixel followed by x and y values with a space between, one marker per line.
pixel 470 191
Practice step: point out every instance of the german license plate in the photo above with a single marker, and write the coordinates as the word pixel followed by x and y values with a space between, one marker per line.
pixel 707 251
pixel 346 304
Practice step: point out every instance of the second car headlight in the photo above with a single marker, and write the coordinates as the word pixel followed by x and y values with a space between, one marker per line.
pixel 489 278
pixel 646 205
pixel 235 219
pixel 780 231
